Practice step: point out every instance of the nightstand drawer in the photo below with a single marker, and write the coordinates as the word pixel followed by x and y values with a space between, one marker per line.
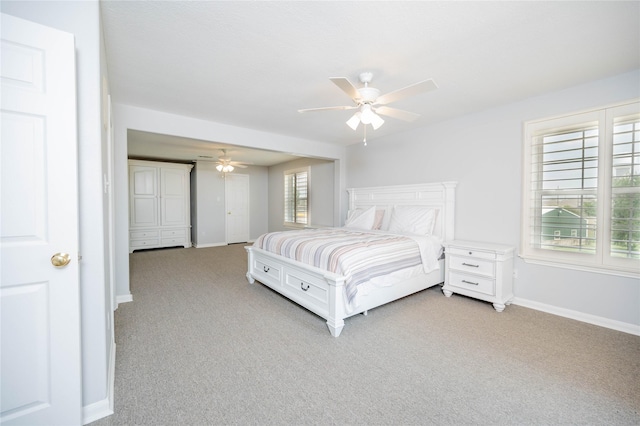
pixel 472 253
pixel 472 265
pixel 470 282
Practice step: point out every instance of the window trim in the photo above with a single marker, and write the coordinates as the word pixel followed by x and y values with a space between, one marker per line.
pixel 307 170
pixel 601 261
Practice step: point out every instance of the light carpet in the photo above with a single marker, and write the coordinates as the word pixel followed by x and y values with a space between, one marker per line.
pixel 199 345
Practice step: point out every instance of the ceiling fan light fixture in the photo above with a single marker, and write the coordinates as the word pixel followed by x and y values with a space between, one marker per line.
pixel 354 121
pixel 376 121
pixel 366 114
pixel 227 168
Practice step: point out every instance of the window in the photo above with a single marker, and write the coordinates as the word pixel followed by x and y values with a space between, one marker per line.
pixel 296 194
pixel 581 203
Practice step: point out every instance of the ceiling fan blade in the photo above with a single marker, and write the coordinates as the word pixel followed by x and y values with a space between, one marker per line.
pixel 346 86
pixel 405 92
pixel 327 108
pixel 397 113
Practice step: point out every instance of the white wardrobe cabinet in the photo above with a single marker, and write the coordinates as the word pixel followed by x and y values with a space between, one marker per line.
pixel 159 205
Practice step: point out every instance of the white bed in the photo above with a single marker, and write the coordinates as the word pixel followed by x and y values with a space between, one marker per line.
pixel 323 292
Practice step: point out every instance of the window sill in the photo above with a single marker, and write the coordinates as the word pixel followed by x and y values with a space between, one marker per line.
pixel 620 272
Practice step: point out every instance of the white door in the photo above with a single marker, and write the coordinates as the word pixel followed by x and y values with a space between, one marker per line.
pixel 39 302
pixel 237 203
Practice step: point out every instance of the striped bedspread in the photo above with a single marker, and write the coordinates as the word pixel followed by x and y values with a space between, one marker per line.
pixel 357 255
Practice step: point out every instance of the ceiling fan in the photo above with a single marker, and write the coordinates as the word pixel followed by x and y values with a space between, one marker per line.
pixel 224 163
pixel 370 103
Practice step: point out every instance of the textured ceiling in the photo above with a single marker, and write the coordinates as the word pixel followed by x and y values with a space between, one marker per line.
pixel 254 64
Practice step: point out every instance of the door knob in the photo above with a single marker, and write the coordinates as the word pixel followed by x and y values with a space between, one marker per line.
pixel 60 259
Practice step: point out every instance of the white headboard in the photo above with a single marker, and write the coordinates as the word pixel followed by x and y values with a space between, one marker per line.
pixel 440 195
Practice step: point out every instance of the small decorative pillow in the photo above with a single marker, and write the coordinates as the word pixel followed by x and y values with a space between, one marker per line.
pixel 413 220
pixel 377 222
pixel 361 218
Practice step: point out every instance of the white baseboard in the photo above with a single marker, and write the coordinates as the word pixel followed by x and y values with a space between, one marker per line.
pixel 124 298
pixel 579 316
pixel 104 407
pixel 209 245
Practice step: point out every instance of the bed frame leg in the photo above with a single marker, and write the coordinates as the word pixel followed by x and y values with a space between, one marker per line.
pixel 335 327
pixel 250 278
pixel 365 313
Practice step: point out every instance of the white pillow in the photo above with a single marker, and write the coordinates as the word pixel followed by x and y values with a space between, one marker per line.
pixel 377 222
pixel 413 220
pixel 361 218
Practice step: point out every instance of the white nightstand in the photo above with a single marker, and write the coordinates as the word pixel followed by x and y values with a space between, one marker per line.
pixel 480 270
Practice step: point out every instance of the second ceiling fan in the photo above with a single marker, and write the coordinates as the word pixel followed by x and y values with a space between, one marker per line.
pixel 370 103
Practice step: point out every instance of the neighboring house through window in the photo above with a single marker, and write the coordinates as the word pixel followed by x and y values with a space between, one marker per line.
pixel 296 197
pixel 582 190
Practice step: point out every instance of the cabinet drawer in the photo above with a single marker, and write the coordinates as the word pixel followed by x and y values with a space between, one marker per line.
pixel 307 288
pixel 174 233
pixel 472 282
pixel 472 265
pixel 471 253
pixel 144 243
pixel 269 270
pixel 143 234
pixel 179 241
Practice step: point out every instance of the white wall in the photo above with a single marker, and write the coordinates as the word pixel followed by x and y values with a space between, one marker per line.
pixel 83 20
pixel 259 199
pixel 129 117
pixel 321 192
pixel 482 152
pixel 208 203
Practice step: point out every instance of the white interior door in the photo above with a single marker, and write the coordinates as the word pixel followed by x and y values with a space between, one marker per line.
pixel 237 203
pixel 39 302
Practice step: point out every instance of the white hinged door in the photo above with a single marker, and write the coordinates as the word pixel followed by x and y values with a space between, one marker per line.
pixel 39 286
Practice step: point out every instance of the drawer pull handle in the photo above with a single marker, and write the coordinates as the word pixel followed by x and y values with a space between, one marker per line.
pixel 469 282
pixel 265 269
pixel 303 287
pixel 469 264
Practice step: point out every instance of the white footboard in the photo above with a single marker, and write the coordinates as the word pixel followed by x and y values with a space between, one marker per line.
pixel 322 292
pixel 319 291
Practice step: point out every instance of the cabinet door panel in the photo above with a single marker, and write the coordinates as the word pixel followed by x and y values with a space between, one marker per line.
pixel 143 190
pixel 144 212
pixel 143 181
pixel 173 211
pixel 173 205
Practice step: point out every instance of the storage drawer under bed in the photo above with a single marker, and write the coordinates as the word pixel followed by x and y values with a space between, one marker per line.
pixel 265 269
pixel 306 287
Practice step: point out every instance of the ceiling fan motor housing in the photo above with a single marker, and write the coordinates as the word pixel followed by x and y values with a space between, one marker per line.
pixel 368 95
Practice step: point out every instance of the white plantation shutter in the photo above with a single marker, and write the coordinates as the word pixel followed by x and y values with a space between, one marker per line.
pixel 582 190
pixel 564 189
pixel 296 184
pixel 625 187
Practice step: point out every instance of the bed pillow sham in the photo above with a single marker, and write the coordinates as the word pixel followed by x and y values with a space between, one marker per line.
pixel 361 218
pixel 417 220
pixel 377 222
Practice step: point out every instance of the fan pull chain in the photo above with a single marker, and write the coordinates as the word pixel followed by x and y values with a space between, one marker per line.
pixel 365 135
